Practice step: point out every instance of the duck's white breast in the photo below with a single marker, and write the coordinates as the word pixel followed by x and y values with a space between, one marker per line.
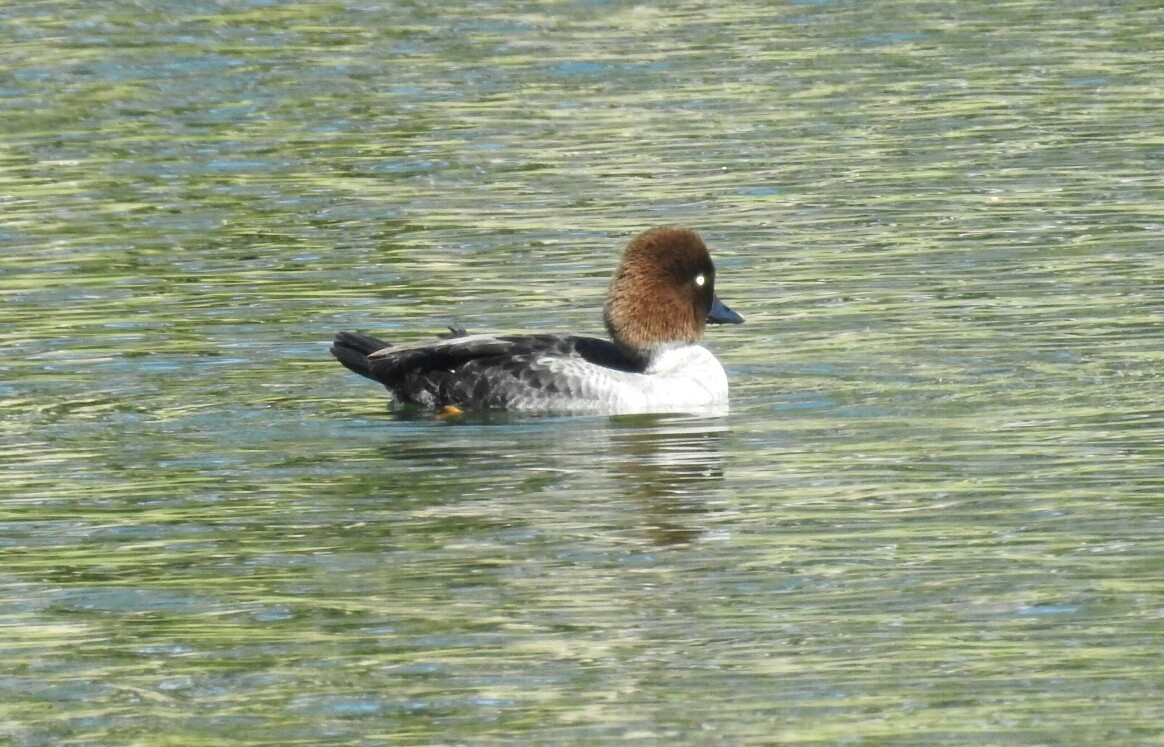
pixel 678 379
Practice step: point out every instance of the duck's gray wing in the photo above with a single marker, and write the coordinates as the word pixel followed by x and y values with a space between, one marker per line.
pixel 479 371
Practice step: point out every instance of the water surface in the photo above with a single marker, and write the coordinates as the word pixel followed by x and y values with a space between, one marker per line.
pixel 932 517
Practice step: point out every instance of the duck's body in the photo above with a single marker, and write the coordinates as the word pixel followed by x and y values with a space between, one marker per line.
pixel 561 373
pixel 661 298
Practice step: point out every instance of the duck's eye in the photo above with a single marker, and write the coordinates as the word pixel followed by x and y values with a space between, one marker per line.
pixel 700 280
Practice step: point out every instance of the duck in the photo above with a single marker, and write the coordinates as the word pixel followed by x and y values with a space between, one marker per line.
pixel 661 298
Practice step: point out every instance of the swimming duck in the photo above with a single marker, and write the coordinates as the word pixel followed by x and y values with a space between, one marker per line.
pixel 660 299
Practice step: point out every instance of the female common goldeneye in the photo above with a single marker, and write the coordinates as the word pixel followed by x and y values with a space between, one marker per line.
pixel 660 299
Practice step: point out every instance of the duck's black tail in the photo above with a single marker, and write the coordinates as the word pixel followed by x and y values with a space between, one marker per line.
pixel 352 349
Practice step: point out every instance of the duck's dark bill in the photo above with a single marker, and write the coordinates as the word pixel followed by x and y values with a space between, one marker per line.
pixel 721 314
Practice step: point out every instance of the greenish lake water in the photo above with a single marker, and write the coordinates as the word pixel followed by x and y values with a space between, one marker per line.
pixel 934 516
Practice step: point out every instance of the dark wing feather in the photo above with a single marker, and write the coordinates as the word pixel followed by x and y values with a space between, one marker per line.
pixel 473 371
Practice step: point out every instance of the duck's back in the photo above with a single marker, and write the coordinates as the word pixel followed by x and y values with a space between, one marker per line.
pixel 507 372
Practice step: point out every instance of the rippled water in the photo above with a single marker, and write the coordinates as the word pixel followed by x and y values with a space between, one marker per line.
pixel 932 517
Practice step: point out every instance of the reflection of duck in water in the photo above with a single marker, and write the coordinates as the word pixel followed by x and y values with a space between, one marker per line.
pixel 661 298
pixel 658 478
pixel 670 467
